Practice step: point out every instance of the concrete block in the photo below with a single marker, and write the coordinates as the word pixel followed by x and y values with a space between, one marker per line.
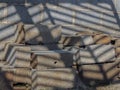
pixel 69 40
pixel 110 20
pixel 52 59
pixel 96 54
pixel 36 34
pixel 19 56
pixel 87 18
pixel 60 79
pixel 8 33
pixel 2 12
pixel 11 33
pixel 22 75
pixel 18 13
pixel 100 74
pixel 117 5
pixel 102 39
pixel 3 51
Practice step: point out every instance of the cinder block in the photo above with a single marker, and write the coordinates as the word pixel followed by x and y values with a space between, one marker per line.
pixel 52 59
pixel 96 54
pixel 76 40
pixel 102 39
pixel 60 79
pixel 19 56
pixel 100 74
pixel 36 34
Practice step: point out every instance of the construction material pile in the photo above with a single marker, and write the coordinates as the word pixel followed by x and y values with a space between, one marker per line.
pixel 40 57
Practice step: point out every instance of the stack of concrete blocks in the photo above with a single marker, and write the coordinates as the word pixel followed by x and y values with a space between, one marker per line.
pixel 50 63
pixel 15 56
pixel 42 57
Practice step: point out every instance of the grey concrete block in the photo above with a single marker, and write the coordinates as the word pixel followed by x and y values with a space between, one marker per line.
pixel 2 12
pixel 106 5
pixel 11 33
pixel 18 56
pixel 36 34
pixel 8 33
pixel 60 79
pixel 57 15
pixel 3 50
pixel 21 13
pixel 96 54
pixel 110 21
pixel 52 59
pixel 117 5
pixel 97 74
pixel 69 40
pixel 89 19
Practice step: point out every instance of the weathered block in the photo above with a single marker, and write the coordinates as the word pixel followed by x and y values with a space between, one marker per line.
pixel 19 56
pixel 3 50
pixel 11 33
pixel 22 75
pixel 96 54
pixel 97 74
pixel 102 39
pixel 60 79
pixel 36 34
pixel 52 59
pixel 76 40
pixel 21 34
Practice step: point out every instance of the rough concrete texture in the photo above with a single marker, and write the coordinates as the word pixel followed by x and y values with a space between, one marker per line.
pixel 36 34
pixel 68 40
pixel 100 74
pixel 54 79
pixel 96 54
pixel 76 17
pixel 52 59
